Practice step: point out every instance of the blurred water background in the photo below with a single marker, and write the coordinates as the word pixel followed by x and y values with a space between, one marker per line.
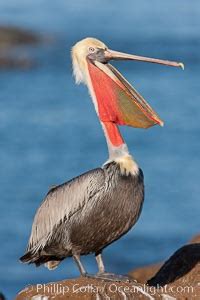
pixel 49 131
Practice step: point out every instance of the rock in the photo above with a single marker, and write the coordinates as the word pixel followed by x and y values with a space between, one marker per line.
pixel 195 239
pixel 9 62
pixel 177 278
pixel 85 288
pixel 14 52
pixel 144 273
pixel 11 36
pixel 2 297
pixel 181 272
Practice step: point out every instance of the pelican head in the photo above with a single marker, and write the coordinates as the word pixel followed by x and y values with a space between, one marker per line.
pixel 115 100
pixel 95 50
pixel 88 48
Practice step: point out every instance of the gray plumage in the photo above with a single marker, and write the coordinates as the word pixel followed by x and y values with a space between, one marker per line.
pixel 85 214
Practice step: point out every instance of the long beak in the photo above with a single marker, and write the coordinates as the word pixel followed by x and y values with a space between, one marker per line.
pixel 115 55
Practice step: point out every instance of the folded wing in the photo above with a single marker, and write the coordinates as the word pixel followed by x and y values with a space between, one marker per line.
pixel 61 203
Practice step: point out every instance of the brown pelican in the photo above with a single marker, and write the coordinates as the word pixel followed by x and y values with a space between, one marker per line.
pixel 89 212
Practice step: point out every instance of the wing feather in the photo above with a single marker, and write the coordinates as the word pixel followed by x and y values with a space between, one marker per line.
pixel 61 203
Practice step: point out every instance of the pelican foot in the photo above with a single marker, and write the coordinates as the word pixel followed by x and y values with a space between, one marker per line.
pixel 110 277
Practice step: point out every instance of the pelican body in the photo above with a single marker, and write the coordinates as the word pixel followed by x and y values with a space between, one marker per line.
pixel 89 212
pixel 107 205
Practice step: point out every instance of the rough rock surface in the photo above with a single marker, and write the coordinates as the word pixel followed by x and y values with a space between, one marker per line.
pixel 177 278
pixel 144 273
pixel 88 289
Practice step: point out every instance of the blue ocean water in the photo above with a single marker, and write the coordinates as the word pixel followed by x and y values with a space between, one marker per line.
pixel 50 133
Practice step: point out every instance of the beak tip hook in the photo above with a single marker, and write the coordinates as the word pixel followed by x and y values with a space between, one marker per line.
pixel 182 66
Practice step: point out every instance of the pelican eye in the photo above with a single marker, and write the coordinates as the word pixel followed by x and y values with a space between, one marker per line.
pixel 91 49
